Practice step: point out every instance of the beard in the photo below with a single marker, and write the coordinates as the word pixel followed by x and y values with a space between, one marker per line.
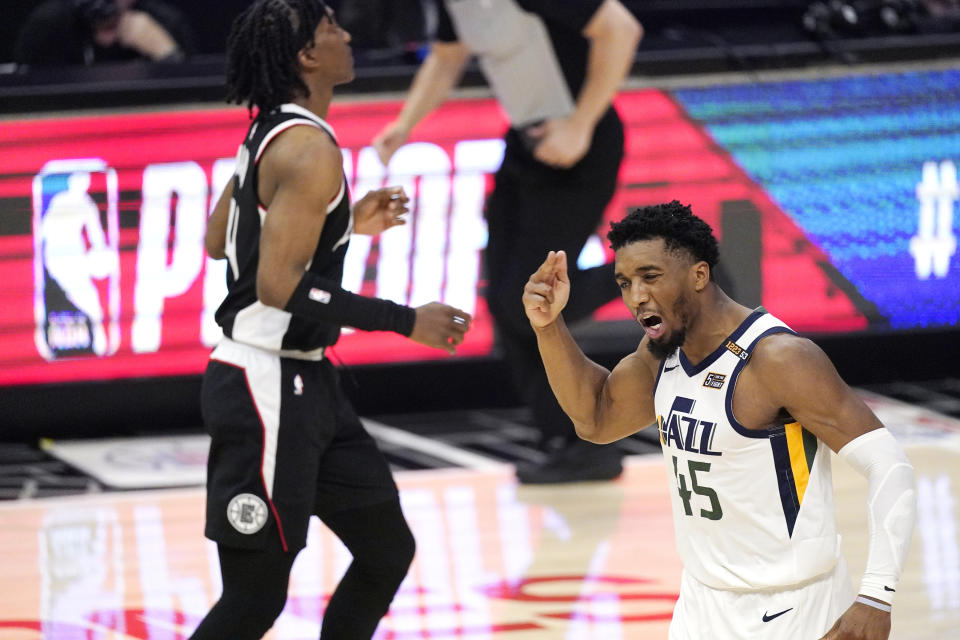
pixel 664 348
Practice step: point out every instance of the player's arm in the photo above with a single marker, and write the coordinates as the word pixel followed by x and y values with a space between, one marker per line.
pixel 603 405
pixel 795 374
pixel 303 168
pixel 302 172
pixel 614 34
pixel 436 77
pixel 215 239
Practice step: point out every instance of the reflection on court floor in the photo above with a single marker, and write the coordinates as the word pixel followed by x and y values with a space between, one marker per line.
pixel 495 560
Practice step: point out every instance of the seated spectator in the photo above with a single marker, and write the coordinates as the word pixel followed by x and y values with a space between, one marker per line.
pixel 60 32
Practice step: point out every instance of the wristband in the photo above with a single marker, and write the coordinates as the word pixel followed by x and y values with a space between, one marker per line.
pixel 323 300
pixel 873 603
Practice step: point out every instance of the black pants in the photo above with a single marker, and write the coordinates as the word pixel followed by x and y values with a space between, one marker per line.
pixel 535 209
pixel 286 445
pixel 255 581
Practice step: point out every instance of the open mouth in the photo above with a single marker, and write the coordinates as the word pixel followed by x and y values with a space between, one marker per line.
pixel 652 325
pixel 651 321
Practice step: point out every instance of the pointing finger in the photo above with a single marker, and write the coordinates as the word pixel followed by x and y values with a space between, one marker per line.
pixel 560 265
pixel 546 269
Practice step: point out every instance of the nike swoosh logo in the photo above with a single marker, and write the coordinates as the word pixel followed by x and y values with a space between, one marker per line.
pixel 886 588
pixel 665 369
pixel 767 618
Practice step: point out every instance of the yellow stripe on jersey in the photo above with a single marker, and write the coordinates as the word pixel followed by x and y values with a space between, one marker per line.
pixel 663 439
pixel 798 458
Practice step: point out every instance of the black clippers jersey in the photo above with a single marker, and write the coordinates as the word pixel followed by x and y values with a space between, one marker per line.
pixel 242 316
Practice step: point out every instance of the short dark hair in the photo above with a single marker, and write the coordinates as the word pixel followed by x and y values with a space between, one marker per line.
pixel 675 223
pixel 262 66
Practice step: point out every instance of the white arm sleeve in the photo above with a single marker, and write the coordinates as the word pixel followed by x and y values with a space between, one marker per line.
pixel 891 508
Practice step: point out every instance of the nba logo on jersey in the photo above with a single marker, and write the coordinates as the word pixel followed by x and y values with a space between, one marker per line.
pixel 319 295
pixel 75 259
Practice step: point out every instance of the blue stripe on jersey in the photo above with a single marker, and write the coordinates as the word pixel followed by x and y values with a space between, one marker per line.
pixel 732 385
pixel 692 370
pixel 781 462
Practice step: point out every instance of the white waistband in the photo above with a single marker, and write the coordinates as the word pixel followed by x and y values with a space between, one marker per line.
pixel 226 345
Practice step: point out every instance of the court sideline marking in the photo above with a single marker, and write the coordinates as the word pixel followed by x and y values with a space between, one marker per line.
pixel 443 451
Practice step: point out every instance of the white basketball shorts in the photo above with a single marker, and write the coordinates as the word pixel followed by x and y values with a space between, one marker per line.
pixel 804 612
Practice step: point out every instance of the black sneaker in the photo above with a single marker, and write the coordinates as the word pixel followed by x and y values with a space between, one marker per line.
pixel 579 461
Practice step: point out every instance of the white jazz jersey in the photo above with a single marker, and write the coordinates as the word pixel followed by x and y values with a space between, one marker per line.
pixel 752 509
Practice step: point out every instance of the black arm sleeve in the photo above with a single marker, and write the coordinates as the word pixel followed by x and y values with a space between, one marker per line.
pixel 324 300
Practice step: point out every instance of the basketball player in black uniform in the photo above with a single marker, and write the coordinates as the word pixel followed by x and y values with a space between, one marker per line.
pixel 286 444
pixel 554 67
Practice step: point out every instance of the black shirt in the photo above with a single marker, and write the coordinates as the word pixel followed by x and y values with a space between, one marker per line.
pixel 564 21
pixel 241 315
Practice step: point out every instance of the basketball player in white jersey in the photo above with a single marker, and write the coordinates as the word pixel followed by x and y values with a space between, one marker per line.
pixel 748 412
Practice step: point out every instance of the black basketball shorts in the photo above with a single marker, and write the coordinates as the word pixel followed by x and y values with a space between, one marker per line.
pixel 285 444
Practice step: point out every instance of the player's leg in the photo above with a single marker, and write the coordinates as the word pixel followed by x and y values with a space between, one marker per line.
pixel 382 547
pixel 254 593
pixel 261 474
pixel 826 599
pixel 522 229
pixel 358 500
pixel 795 613
pixel 546 221
pixel 798 613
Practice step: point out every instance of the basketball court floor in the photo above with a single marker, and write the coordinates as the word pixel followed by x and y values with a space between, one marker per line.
pixel 495 560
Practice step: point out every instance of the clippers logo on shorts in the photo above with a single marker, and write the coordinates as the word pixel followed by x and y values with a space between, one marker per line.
pixel 75 260
pixel 683 431
pixel 247 513
pixel 736 350
pixel 714 380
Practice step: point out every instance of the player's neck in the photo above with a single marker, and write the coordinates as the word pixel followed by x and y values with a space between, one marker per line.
pixel 717 318
pixel 318 102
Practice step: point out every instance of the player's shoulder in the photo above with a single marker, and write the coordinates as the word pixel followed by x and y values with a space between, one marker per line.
pixel 641 360
pixel 308 140
pixel 305 149
pixel 781 353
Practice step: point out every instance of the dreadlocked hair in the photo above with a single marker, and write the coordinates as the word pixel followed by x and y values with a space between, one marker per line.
pixel 262 66
pixel 675 224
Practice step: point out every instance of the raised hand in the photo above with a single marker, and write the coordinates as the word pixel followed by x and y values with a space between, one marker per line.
pixel 441 326
pixel 860 622
pixel 562 142
pixel 379 210
pixel 547 291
